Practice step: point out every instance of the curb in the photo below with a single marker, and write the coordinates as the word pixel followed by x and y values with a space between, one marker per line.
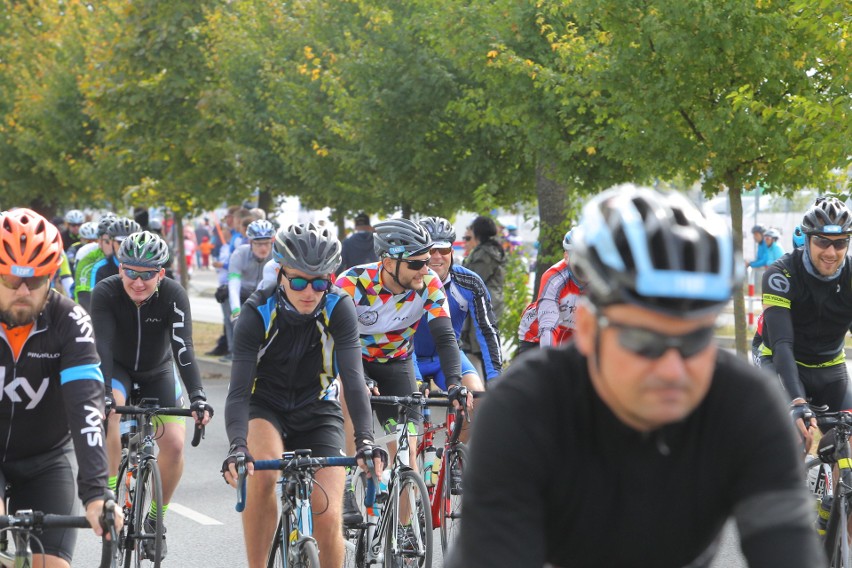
pixel 212 368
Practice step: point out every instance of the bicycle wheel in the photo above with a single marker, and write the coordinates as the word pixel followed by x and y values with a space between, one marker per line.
pixel 451 496
pixel 408 539
pixel 306 554
pixel 148 546
pixel 123 550
pixel 278 549
pixel 837 537
pixel 354 535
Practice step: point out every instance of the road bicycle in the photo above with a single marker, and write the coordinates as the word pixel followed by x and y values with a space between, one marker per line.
pixel 293 545
pixel 140 483
pixel 397 531
pixel 25 525
pixel 442 469
pixel 834 450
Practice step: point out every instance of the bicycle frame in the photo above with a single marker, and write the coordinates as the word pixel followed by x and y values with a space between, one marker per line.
pixel 836 540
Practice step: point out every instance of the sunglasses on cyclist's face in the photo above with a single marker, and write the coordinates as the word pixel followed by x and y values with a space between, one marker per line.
pixel 145 275
pixel 653 345
pixel 443 250
pixel 15 282
pixel 823 242
pixel 414 264
pixel 297 283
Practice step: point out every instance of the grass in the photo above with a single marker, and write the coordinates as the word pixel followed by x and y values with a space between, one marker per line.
pixel 204 336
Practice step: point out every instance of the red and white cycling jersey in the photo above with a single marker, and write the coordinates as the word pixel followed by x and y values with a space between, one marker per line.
pixel 387 321
pixel 550 319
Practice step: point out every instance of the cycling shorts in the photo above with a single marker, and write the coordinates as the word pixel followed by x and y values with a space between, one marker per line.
pixel 162 383
pixel 395 377
pixel 824 386
pixel 317 426
pixel 44 483
pixel 431 367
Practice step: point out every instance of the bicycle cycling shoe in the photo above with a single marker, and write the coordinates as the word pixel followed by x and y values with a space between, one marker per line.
pixel 455 479
pixel 148 544
pixel 406 540
pixel 351 514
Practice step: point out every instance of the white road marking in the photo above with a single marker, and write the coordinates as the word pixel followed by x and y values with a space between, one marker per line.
pixel 192 514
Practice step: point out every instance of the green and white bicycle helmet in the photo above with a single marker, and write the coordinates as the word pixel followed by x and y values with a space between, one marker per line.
pixel 144 248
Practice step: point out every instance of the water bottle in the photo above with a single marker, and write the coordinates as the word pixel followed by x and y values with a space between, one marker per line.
pixel 428 464
pixel 436 467
pixel 824 512
pixel 383 484
pixel 128 429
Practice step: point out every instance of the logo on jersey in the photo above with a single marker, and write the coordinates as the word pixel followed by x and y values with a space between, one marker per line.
pixel 32 355
pixel 368 318
pixel 11 391
pixel 94 431
pixel 176 326
pixel 153 320
pixel 84 321
pixel 778 283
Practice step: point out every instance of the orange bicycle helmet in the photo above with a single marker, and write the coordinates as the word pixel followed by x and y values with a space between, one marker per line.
pixel 29 244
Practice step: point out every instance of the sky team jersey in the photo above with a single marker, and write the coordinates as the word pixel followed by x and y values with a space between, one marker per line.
pixel 54 392
pixel 550 319
pixel 387 321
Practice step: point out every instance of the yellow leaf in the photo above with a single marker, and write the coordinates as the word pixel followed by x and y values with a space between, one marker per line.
pixel 591 151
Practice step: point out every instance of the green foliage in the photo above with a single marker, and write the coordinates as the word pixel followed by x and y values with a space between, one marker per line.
pixel 516 296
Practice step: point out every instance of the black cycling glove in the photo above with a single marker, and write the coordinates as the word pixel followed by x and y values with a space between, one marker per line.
pixel 457 393
pixel 238 449
pixel 377 453
pixel 199 403
pixel 801 410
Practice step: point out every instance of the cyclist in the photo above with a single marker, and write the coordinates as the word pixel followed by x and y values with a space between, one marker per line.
pixel 467 297
pixel 290 342
pixel 143 326
pixel 88 234
pixel 645 400
pixel 54 389
pixel 549 320
pixel 87 256
pixel 807 310
pixel 117 231
pixel 74 219
pixel 245 267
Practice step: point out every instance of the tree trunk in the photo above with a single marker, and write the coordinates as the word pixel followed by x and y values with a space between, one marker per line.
pixel 735 200
pixel 551 214
pixel 265 202
pixel 178 236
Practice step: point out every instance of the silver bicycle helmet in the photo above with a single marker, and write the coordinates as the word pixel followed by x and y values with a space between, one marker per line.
pixel 104 223
pixel 307 247
pixel 75 217
pixel 120 228
pixel 828 215
pixel 567 245
pixel 400 238
pixel 89 230
pixel 260 229
pixel 440 230
pixel 144 249
pixel 658 251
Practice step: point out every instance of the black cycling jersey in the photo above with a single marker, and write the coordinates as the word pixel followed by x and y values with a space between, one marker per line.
pixel 290 360
pixel 805 319
pixel 54 392
pixel 144 338
pixel 554 477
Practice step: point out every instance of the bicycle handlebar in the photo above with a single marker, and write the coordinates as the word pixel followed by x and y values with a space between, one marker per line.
pixel 197 436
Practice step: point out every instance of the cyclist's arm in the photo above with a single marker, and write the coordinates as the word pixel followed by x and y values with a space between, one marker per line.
pixel 547 310
pixel 347 350
pixel 778 336
pixel 235 281
pixel 762 256
pixel 183 350
pixel 485 324
pixel 103 322
pixel 248 335
pixel 441 328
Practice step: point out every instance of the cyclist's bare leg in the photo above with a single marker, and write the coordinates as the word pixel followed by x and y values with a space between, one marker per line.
pixel 49 561
pixel 170 457
pixel 328 529
pixel 113 437
pixel 260 516
pixel 473 384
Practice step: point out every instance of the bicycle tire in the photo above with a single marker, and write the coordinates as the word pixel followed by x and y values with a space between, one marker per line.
pixel 836 538
pixel 278 548
pixel 149 487
pixel 411 489
pixel 354 535
pixel 122 553
pixel 451 499
pixel 306 554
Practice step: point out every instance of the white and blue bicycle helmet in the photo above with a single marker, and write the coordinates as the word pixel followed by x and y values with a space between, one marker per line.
pixel 638 246
pixel 260 229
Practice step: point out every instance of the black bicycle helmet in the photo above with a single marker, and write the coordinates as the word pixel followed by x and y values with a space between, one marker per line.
pixel 441 231
pixel 828 215
pixel 307 247
pixel 144 249
pixel 260 229
pixel 758 229
pixel 400 238
pixel 104 223
pixel 658 251
pixel 122 227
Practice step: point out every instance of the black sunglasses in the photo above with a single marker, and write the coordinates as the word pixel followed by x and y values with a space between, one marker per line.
pixel 443 250
pixel 15 282
pixel 414 264
pixel 652 345
pixel 824 242
pixel 145 275
pixel 297 283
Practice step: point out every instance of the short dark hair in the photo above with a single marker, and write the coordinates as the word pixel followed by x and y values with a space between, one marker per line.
pixel 483 228
pixel 362 220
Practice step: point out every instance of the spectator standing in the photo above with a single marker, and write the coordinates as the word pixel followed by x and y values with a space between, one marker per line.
pixel 205 247
pixel 358 247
